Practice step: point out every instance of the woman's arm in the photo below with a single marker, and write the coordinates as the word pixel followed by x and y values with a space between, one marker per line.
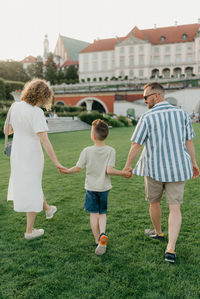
pixel 49 150
pixel 7 127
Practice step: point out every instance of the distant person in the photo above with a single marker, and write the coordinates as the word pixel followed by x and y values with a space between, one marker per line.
pixel 167 161
pixel 27 121
pixel 99 160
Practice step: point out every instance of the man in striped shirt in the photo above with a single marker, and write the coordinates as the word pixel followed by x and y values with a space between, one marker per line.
pixel 167 160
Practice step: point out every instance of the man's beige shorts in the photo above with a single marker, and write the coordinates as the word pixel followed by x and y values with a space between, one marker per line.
pixel 173 191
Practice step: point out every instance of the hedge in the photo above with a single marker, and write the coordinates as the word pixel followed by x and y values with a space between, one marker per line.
pixel 90 117
pixel 6 87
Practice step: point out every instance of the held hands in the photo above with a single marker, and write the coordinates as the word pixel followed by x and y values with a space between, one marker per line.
pixel 61 168
pixel 196 172
pixel 127 172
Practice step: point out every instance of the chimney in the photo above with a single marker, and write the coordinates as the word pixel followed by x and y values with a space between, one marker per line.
pixel 175 23
pixel 154 26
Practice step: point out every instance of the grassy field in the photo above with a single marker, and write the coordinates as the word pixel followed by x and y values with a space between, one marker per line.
pixel 62 264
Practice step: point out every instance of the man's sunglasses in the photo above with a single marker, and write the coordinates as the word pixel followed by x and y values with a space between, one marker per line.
pixel 146 97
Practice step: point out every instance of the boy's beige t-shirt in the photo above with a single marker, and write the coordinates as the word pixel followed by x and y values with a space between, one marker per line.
pixel 96 159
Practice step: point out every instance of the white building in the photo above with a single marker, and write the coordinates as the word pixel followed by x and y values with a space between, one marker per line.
pixel 168 52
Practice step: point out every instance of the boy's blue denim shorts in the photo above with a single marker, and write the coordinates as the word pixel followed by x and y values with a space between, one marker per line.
pixel 96 202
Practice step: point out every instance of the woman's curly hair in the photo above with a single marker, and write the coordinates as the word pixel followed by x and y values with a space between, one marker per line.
pixel 37 91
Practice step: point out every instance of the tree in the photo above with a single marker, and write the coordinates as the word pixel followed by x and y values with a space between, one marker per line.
pixel 72 73
pixel 13 71
pixel 50 70
pixel 2 90
pixel 60 76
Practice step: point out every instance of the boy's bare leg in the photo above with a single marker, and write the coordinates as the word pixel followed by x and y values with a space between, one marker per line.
pixel 102 223
pixel 45 205
pixel 30 216
pixel 94 223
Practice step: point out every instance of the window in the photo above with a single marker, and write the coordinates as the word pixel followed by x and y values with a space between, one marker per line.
pixel 121 74
pixel 104 55
pixel 184 36
pixel 178 58
pixel 189 58
pixel 104 65
pixel 85 67
pixel 189 47
pixel 121 50
pixel 121 61
pixel 141 48
pixel 163 38
pixel 94 56
pixel 131 50
pixel 141 59
pixel 167 59
pixel 131 60
pixel 141 73
pixel 131 73
pixel 156 60
pixel 178 48
pixel 167 49
pixel 156 50
pixel 94 65
pixel 85 57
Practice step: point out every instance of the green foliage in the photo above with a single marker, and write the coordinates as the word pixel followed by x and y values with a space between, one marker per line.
pixel 50 70
pixel 13 71
pixel 90 117
pixel 72 73
pixel 62 264
pixel 114 122
pixel 2 90
pixel 35 70
pixel 12 86
pixel 124 120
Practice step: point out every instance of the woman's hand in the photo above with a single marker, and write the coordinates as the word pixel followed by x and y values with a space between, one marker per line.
pixel 61 168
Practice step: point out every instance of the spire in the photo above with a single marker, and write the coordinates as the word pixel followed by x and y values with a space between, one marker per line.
pixel 46 46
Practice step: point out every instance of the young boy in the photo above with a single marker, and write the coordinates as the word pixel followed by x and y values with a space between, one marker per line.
pixel 99 160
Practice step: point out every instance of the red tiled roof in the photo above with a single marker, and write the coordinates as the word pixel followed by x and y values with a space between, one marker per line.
pixel 102 45
pixel 29 59
pixel 172 34
pixel 70 62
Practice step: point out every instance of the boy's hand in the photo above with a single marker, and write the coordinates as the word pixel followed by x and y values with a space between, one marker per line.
pixel 127 172
pixel 61 168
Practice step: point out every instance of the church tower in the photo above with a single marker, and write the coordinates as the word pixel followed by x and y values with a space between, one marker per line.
pixel 46 47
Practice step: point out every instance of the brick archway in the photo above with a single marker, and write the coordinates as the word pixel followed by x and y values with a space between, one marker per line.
pixel 93 99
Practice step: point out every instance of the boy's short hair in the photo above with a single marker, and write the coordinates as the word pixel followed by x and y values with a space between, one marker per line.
pixel 100 129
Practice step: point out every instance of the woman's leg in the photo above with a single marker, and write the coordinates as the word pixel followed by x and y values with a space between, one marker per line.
pixel 30 216
pixel 45 205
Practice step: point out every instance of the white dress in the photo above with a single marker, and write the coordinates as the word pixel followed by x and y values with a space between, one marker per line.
pixel 26 160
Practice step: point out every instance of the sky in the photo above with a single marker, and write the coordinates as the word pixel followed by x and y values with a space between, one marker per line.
pixel 23 23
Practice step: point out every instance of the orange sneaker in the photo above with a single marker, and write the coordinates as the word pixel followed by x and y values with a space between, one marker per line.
pixel 101 248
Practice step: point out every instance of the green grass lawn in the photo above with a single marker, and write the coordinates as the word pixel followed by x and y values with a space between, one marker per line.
pixel 62 264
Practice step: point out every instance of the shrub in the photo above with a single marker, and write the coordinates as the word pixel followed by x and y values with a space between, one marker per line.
pixel 114 122
pixel 1 127
pixel 134 122
pixel 90 117
pixel 12 86
pixel 2 90
pixel 124 120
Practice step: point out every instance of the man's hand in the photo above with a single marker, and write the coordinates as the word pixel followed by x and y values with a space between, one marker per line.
pixel 127 172
pixel 195 171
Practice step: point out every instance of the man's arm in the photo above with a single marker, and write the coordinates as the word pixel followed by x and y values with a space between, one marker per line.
pixel 125 173
pixel 134 151
pixel 190 147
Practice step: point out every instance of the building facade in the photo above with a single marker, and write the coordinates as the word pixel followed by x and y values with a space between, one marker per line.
pixel 167 52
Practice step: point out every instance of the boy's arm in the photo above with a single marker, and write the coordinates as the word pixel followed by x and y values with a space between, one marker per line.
pixel 72 170
pixel 113 171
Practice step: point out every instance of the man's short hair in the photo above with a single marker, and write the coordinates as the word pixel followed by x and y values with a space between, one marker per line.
pixel 100 129
pixel 155 86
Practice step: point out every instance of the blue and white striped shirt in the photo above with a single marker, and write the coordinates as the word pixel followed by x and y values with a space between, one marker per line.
pixel 164 130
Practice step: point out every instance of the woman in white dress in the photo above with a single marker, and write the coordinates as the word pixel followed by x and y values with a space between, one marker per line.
pixel 27 121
